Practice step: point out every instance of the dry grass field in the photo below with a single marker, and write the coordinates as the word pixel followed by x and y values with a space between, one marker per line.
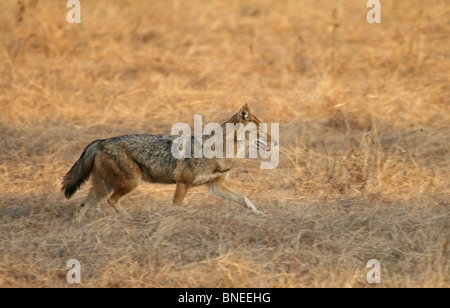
pixel 364 113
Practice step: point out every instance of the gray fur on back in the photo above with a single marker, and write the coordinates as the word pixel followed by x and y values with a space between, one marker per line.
pixel 152 154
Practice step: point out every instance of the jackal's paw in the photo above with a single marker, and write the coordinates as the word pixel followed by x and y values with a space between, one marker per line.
pixel 259 213
pixel 127 216
pixel 78 214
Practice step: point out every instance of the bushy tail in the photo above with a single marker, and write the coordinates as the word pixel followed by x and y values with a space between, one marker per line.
pixel 80 171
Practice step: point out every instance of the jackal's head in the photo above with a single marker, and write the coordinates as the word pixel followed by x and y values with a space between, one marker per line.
pixel 263 141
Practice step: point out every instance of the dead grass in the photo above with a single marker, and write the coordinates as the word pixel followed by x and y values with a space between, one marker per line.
pixel 364 140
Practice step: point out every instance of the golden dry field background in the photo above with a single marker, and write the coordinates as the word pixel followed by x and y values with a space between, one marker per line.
pixel 363 109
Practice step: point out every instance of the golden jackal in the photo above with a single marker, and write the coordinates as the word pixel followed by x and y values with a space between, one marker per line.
pixel 118 165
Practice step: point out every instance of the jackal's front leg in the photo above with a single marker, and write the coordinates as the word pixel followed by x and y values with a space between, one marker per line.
pixel 218 188
pixel 180 193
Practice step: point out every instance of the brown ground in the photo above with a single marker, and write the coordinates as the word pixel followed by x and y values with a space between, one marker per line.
pixel 364 114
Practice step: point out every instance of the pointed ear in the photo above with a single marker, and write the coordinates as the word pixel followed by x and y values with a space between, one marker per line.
pixel 244 113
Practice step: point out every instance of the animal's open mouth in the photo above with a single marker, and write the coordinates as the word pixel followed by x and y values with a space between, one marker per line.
pixel 263 146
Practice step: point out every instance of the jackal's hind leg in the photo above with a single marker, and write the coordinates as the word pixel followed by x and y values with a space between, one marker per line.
pixel 119 192
pixel 114 201
pixel 123 172
pixel 99 191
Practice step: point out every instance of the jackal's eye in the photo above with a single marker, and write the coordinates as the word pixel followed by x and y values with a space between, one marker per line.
pixel 263 146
